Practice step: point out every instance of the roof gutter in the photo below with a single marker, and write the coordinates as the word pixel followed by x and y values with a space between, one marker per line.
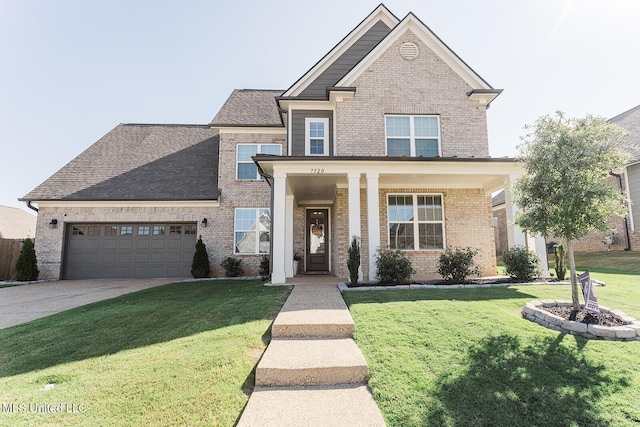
pixel 30 206
pixel 625 219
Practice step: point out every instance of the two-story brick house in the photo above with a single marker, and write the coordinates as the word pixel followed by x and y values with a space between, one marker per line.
pixel 385 138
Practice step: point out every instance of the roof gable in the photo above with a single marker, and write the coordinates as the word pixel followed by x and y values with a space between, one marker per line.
pixel 478 85
pixel 346 54
pixel 249 107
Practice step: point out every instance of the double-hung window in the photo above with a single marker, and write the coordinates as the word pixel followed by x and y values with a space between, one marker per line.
pixel 412 136
pixel 316 137
pixel 252 229
pixel 245 167
pixel 416 221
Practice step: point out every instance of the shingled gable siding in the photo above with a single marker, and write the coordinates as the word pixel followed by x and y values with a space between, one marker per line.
pixel 239 194
pixel 425 85
pixel 298 131
pixel 342 65
pixel 462 229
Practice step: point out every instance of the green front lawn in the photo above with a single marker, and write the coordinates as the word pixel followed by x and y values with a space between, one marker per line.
pixel 465 357
pixel 180 354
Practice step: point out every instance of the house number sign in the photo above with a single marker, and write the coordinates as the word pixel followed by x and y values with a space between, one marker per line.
pixel 317 170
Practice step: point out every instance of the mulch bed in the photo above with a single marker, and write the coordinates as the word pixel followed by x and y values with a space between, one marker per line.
pixel 583 316
pixel 479 281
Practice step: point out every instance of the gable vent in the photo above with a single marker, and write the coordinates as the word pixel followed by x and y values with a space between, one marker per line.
pixel 409 51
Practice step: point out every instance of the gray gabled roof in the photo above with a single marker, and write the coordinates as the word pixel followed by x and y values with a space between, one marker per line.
pixel 140 162
pixel 249 107
pixel 630 121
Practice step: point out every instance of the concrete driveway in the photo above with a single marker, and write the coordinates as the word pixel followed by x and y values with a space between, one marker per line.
pixel 20 304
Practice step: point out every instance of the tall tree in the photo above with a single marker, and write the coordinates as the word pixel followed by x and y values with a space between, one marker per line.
pixel 565 191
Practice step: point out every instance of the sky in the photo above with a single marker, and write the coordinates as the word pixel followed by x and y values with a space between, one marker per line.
pixel 72 70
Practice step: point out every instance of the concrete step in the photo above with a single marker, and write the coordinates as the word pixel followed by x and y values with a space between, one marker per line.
pixel 313 311
pixel 328 406
pixel 303 362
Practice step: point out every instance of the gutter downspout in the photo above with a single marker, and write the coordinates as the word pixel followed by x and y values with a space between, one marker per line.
pixel 625 219
pixel 269 179
pixel 30 206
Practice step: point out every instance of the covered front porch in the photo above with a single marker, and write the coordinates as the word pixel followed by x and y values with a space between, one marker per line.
pixel 319 203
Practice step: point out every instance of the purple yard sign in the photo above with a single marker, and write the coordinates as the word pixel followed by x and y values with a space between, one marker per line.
pixel 590 300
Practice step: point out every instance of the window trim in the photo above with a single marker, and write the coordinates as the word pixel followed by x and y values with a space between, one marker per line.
pixel 258 151
pixel 307 135
pixel 412 133
pixel 257 232
pixel 416 222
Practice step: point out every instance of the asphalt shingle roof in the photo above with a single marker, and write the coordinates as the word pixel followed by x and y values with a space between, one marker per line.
pixel 140 162
pixel 249 107
pixel 630 120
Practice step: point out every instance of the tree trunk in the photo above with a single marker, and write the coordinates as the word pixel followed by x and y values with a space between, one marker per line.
pixel 574 278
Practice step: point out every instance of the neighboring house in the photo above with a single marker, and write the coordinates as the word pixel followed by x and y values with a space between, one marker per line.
pixel 16 223
pixel 385 138
pixel 625 231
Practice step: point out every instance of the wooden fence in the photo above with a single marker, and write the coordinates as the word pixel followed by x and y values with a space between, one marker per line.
pixel 9 252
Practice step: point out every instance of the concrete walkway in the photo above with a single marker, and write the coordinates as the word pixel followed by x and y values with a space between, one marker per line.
pixel 312 373
pixel 20 304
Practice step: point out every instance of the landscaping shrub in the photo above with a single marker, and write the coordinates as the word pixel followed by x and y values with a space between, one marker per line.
pixel 521 263
pixel 200 265
pixel 232 267
pixel 265 269
pixel 27 264
pixel 353 263
pixel 393 267
pixel 561 270
pixel 456 265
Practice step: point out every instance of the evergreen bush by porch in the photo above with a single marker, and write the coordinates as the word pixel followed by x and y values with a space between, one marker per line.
pixel 200 266
pixel 393 267
pixel 521 263
pixel 353 263
pixel 561 270
pixel 232 267
pixel 265 269
pixel 27 263
pixel 456 265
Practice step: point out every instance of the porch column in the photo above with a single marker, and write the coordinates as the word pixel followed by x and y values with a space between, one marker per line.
pixel 354 209
pixel 278 234
pixel 373 221
pixel 517 237
pixel 288 238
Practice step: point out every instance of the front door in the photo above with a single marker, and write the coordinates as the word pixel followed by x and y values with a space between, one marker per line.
pixel 317 258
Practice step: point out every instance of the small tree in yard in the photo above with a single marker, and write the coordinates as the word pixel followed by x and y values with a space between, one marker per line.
pixel 27 264
pixel 564 191
pixel 353 263
pixel 200 266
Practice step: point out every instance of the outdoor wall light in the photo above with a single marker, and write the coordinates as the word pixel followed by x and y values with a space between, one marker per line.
pixel 204 222
pixel 53 223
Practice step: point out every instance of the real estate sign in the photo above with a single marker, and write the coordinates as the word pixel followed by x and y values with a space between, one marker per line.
pixel 590 300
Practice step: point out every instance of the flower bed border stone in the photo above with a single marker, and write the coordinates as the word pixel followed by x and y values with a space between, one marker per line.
pixel 535 312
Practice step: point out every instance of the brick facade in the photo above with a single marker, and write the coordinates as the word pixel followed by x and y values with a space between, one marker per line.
pixel 425 85
pixel 461 229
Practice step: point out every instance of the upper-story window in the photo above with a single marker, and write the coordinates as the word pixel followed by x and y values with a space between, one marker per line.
pixel 316 137
pixel 412 136
pixel 245 167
